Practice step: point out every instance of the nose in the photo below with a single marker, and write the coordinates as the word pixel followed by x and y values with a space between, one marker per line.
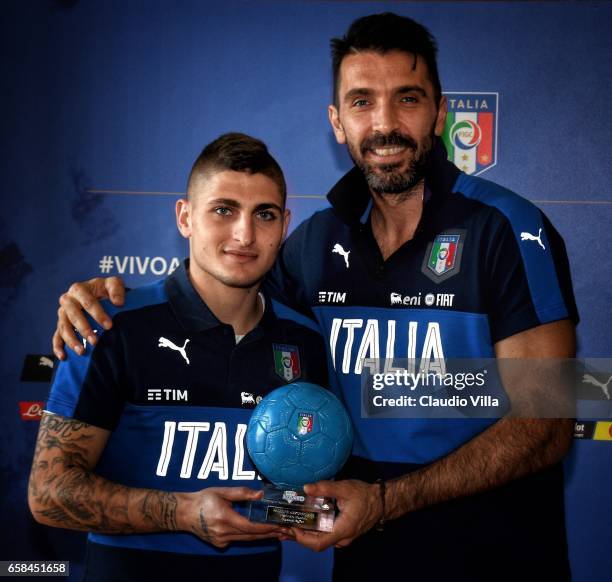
pixel 244 231
pixel 384 118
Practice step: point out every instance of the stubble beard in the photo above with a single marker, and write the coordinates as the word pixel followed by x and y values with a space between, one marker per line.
pixel 388 179
pixel 237 282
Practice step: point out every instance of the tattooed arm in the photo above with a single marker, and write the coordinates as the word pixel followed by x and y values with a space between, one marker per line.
pixel 65 492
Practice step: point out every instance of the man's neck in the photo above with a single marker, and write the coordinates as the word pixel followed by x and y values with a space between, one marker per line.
pixel 236 306
pixel 395 218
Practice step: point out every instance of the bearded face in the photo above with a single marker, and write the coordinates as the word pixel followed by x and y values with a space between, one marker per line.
pixel 406 166
pixel 388 113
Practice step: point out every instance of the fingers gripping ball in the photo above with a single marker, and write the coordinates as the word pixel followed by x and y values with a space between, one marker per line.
pixel 299 433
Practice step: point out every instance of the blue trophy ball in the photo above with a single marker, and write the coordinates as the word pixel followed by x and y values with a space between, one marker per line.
pixel 299 433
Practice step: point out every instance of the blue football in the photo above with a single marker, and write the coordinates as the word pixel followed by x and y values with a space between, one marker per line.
pixel 299 433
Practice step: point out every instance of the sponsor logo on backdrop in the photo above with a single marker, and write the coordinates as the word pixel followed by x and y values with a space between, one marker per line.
pixel 600 430
pixel 470 133
pixel 594 383
pixel 603 431
pixel 603 386
pixel 31 410
pixel 38 368
pixel 136 265
pixel 45 361
pixel 584 429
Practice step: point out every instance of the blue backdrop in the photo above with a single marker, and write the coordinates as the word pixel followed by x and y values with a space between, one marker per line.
pixel 106 105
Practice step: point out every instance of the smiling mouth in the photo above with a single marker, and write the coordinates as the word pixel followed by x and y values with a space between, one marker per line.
pixel 241 256
pixel 388 151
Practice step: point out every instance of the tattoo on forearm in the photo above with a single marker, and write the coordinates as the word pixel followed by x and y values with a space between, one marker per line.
pixel 58 515
pixel 63 427
pixel 159 507
pixel 202 531
pixel 65 492
pixel 53 454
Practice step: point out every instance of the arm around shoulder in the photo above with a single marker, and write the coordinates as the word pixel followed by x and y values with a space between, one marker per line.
pixel 80 298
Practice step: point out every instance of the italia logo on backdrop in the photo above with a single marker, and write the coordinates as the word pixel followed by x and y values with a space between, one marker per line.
pixel 286 361
pixel 470 133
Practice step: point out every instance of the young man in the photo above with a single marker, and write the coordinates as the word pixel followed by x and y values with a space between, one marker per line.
pixel 461 499
pixel 142 441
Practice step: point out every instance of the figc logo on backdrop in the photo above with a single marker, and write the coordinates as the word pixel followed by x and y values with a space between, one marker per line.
pixel 470 133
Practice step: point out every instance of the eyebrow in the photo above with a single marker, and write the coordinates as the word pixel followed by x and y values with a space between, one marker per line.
pixel 225 202
pixel 358 91
pixel 364 91
pixel 412 89
pixel 266 206
pixel 235 204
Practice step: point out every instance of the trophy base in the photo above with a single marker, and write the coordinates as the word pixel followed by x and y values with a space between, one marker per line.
pixel 293 509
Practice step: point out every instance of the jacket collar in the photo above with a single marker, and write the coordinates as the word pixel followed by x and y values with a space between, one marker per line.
pixel 189 308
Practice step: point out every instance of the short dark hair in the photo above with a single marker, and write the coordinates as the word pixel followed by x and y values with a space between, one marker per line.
pixel 241 153
pixel 383 33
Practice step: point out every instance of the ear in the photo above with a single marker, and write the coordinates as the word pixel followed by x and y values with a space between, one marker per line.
pixel 286 221
pixel 441 119
pixel 183 217
pixel 334 119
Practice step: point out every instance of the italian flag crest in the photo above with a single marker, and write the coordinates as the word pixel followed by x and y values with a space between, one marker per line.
pixel 443 253
pixel 305 420
pixel 286 361
pixel 470 132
